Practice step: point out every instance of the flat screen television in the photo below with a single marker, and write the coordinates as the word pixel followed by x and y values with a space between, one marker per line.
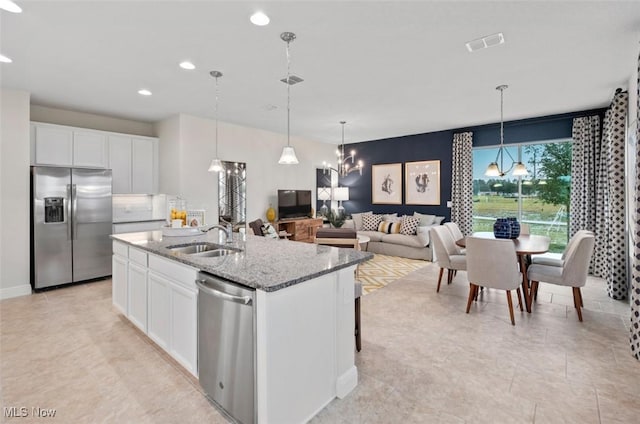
pixel 294 204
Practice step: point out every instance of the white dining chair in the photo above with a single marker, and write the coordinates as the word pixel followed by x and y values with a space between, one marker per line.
pixel 454 229
pixel 572 273
pixel 493 263
pixel 446 253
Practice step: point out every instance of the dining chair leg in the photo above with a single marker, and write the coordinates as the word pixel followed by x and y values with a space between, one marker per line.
pixel 439 279
pixel 476 292
pixel 519 299
pixel 580 297
pixel 358 335
pixel 513 321
pixel 472 291
pixel 534 290
pixel 450 276
pixel 576 301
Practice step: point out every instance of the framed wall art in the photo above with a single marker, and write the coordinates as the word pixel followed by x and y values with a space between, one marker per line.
pixel 422 182
pixel 386 184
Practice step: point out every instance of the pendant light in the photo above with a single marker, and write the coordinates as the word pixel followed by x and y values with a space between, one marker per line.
pixel 288 156
pixel 493 170
pixel 343 161
pixel 216 163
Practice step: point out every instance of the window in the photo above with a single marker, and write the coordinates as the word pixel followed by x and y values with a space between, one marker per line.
pixel 540 199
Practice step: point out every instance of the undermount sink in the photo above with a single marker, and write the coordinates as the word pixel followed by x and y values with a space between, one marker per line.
pixel 203 249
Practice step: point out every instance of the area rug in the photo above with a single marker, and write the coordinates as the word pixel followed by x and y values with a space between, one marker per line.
pixel 382 270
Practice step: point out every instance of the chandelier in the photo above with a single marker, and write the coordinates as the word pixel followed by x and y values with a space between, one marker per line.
pixel 493 170
pixel 344 168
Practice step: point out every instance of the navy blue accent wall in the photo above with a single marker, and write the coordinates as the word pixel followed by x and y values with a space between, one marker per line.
pixel 428 146
pixel 438 146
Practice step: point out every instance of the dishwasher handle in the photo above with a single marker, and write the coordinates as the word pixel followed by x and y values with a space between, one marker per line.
pixel 244 300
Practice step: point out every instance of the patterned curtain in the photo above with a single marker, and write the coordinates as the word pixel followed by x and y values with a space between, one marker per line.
pixel 597 191
pixel 614 268
pixel 634 337
pixel 462 184
pixel 585 153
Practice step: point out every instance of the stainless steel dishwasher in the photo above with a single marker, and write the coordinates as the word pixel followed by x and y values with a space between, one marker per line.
pixel 226 345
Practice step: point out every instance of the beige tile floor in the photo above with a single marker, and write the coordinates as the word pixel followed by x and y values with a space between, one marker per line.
pixel 423 360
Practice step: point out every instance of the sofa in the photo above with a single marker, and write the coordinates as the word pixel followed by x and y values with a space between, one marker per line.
pixel 388 239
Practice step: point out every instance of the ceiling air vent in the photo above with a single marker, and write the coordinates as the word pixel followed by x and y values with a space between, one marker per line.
pixel 485 42
pixel 293 79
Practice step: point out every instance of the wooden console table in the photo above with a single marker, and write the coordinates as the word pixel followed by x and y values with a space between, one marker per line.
pixel 303 229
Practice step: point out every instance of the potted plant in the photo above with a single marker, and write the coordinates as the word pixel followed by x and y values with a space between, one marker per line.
pixel 336 219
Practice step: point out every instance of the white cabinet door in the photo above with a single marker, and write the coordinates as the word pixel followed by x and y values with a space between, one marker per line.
pixel 90 149
pixel 159 312
pixel 53 145
pixel 120 163
pixel 143 166
pixel 119 285
pixel 184 327
pixel 138 295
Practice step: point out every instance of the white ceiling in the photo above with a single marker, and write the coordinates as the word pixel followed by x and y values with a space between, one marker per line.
pixel 387 68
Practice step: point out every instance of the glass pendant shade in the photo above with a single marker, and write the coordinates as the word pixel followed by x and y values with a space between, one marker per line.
pixel 492 170
pixel 215 166
pixel 288 156
pixel 520 170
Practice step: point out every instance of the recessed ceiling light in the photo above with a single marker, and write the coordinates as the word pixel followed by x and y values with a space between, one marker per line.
pixel 144 92
pixel 485 42
pixel 10 6
pixel 187 65
pixel 5 59
pixel 259 19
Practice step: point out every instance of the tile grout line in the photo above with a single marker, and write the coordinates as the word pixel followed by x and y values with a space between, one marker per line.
pixel 598 405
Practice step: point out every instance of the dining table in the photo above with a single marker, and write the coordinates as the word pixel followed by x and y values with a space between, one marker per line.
pixel 525 244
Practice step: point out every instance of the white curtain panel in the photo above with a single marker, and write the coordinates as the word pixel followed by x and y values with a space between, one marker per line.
pixel 634 336
pixel 462 182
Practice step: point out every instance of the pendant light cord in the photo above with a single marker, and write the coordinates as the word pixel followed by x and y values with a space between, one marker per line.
pixel 288 96
pixel 216 117
pixel 502 127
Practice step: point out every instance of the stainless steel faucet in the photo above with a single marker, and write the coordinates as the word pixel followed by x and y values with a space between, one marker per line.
pixel 227 229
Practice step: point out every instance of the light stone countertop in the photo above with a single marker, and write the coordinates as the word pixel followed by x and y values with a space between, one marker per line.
pixel 264 264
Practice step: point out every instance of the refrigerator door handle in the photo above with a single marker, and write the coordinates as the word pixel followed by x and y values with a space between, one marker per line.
pixel 68 212
pixel 74 212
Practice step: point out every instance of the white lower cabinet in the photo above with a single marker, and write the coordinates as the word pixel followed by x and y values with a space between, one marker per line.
pixel 160 297
pixel 119 282
pixel 138 295
pixel 159 329
pixel 184 327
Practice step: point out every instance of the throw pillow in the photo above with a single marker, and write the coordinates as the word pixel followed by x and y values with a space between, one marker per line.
pixel 370 222
pixel 425 219
pixel 269 231
pixel 357 219
pixel 409 225
pixel 391 217
pixel 388 227
pixel 438 220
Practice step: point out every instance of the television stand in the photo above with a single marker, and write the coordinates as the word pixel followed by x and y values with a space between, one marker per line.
pixel 301 229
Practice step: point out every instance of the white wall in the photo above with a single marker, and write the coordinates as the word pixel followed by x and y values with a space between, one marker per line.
pixel 187 145
pixel 630 165
pixel 90 120
pixel 14 194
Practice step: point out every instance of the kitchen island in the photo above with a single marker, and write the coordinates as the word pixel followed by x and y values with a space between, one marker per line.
pixel 303 312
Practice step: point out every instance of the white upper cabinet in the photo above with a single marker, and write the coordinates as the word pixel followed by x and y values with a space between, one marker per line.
pixel 120 163
pixel 144 164
pixel 132 159
pixel 52 145
pixel 90 149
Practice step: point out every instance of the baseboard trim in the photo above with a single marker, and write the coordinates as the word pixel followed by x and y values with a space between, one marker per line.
pixel 347 382
pixel 9 292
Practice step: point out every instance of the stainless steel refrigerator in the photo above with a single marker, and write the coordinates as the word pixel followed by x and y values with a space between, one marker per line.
pixel 70 225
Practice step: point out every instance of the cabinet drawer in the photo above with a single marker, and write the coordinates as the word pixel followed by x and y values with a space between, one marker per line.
pixel 138 256
pixel 185 275
pixel 120 249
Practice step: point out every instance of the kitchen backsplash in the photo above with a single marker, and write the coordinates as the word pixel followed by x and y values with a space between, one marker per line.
pixel 139 207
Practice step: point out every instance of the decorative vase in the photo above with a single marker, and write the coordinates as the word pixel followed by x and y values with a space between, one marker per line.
pixel 502 228
pixel 271 214
pixel 515 227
